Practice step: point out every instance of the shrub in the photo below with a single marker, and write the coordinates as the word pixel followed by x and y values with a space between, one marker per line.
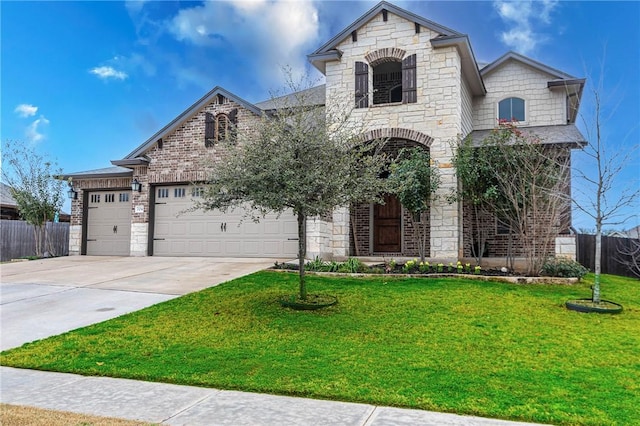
pixel 409 266
pixel 316 264
pixel 562 267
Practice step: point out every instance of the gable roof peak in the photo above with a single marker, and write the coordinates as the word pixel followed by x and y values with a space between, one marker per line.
pixel 515 56
pixel 328 50
pixel 176 122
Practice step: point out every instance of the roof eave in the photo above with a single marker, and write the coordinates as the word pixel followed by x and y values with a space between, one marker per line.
pixel 319 60
pixel 469 63
pixel 94 175
pixel 131 162
pixel 572 87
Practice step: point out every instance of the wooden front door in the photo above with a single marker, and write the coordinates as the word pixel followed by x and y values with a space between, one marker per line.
pixel 387 225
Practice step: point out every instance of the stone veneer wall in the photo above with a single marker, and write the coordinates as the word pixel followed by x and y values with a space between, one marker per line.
pixel 543 107
pixel 437 112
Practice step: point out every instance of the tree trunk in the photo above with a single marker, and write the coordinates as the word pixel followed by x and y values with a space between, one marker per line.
pixel 302 252
pixel 597 267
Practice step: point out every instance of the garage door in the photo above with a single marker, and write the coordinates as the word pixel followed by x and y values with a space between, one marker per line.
pixel 109 223
pixel 216 234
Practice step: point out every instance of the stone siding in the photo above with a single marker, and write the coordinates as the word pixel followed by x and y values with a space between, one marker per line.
pixel 437 112
pixel 543 107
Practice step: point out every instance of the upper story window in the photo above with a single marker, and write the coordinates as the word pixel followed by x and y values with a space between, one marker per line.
pixel 394 80
pixel 220 127
pixel 511 109
pixel 387 80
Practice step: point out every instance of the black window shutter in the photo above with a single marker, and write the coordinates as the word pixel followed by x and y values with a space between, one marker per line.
pixel 409 80
pixel 209 130
pixel 362 85
pixel 233 122
pixel 233 116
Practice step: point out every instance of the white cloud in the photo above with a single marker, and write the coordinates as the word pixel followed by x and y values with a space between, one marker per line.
pixel 106 72
pixel 522 19
pixel 26 110
pixel 33 132
pixel 267 34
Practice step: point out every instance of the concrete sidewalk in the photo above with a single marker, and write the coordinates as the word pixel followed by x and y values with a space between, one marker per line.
pixel 187 405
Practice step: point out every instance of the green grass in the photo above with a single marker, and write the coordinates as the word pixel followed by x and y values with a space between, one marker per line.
pixel 455 345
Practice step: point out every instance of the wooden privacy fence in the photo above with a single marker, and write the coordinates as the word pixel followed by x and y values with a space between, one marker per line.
pixel 613 260
pixel 18 239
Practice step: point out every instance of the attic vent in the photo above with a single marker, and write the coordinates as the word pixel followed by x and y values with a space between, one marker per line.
pixel 221 99
pixel 159 143
pixel 384 15
pixel 354 36
pixel 417 28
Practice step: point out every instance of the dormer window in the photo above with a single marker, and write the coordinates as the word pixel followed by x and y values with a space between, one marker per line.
pixel 511 109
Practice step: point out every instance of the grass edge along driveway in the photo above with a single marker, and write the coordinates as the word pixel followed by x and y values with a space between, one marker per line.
pixel 452 345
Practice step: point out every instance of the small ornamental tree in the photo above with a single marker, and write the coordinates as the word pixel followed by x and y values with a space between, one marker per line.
pixel 527 181
pixel 477 189
pixel 415 181
pixel 302 158
pixel 33 184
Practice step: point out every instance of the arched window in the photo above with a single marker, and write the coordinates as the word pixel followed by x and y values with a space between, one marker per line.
pixel 387 76
pixel 394 80
pixel 511 109
pixel 222 127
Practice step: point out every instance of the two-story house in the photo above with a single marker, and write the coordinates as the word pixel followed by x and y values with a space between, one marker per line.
pixel 412 82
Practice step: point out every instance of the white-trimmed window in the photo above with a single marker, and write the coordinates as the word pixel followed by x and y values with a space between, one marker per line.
pixel 511 109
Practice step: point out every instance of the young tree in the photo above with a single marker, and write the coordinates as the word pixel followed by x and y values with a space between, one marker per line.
pixel 33 184
pixel 414 180
pixel 301 157
pixel 600 179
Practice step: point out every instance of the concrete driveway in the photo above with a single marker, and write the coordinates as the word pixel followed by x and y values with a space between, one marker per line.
pixel 47 297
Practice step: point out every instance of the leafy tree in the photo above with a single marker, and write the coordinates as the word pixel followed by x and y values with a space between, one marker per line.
pixel 302 157
pixel 33 184
pixel 477 189
pixel 414 180
pixel 526 183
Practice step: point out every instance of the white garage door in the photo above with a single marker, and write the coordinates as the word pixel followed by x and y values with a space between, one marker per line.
pixel 109 223
pixel 214 234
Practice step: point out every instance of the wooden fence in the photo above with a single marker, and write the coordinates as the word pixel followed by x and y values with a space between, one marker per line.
pixel 18 239
pixel 612 261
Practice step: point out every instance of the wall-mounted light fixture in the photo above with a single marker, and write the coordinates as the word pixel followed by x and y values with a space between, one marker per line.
pixel 72 193
pixel 136 186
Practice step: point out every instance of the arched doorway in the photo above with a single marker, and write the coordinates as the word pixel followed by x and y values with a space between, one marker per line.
pixel 386 229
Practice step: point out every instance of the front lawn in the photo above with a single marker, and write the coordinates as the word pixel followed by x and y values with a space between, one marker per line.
pixel 482 348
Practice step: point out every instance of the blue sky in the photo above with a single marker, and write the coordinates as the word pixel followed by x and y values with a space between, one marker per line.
pixel 87 82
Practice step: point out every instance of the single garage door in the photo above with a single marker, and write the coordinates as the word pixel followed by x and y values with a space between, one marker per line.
pixel 109 223
pixel 216 234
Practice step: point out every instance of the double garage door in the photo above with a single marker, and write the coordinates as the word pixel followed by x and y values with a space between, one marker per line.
pixel 179 232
